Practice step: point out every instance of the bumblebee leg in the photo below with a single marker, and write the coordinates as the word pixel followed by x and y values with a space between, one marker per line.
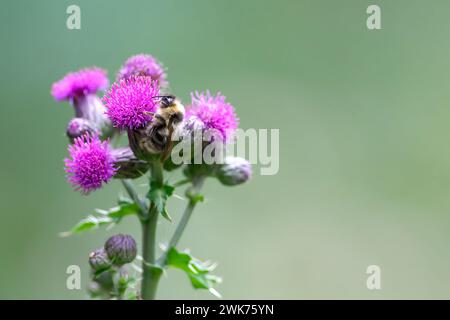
pixel 169 146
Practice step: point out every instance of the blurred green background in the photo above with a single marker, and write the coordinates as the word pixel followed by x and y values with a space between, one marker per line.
pixel 364 142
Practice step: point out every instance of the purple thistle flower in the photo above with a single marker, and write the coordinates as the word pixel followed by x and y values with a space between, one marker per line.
pixel 80 88
pixel 143 65
pixel 214 113
pixel 91 163
pixel 80 83
pixel 130 101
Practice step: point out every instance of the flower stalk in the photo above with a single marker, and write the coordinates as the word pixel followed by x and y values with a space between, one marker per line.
pixel 151 273
pixel 131 190
pixel 193 194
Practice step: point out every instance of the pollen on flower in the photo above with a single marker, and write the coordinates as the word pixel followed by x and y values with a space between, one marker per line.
pixel 130 102
pixel 214 113
pixel 91 163
pixel 143 65
pixel 80 83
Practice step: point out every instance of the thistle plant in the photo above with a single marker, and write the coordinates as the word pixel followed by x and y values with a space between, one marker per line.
pixel 137 108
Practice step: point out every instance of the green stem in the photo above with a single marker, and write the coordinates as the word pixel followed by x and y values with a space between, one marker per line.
pixel 197 184
pixel 151 273
pixel 150 277
pixel 131 190
pixel 181 183
pixel 121 285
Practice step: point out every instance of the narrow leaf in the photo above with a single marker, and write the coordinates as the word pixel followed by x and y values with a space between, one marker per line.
pixel 197 271
pixel 104 218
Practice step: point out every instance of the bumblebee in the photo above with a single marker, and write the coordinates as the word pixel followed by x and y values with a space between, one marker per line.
pixel 156 136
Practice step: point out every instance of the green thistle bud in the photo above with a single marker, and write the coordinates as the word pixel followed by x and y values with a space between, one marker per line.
pixel 102 285
pixel 94 289
pixel 121 249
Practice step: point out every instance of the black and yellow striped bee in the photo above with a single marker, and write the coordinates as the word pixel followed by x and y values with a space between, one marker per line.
pixel 156 137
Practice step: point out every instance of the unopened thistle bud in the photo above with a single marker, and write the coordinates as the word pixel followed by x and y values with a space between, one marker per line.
pixel 234 171
pixel 99 260
pixel 77 127
pixel 121 249
pixel 102 285
pixel 94 289
pixel 128 166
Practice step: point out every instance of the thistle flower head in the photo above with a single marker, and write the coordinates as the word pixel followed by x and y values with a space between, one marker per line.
pixel 130 101
pixel 121 249
pixel 143 65
pixel 214 113
pixel 80 83
pixel 91 163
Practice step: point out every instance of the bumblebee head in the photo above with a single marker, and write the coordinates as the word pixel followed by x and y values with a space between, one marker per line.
pixel 166 101
pixel 171 108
